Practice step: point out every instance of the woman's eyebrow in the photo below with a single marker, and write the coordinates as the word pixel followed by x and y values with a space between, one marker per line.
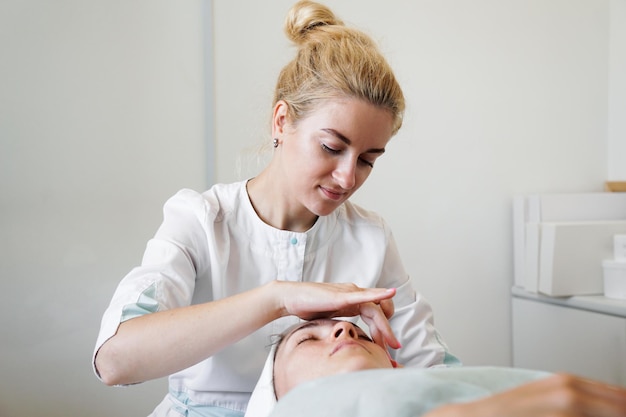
pixel 304 326
pixel 347 141
pixel 318 323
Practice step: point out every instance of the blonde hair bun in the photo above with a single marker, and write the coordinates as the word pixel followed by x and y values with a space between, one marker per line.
pixel 333 61
pixel 305 16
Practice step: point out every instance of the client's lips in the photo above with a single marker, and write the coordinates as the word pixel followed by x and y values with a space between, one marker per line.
pixel 342 345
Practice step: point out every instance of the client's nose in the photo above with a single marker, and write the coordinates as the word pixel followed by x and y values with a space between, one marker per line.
pixel 344 329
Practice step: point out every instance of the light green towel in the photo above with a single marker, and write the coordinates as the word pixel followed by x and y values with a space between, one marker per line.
pixel 405 392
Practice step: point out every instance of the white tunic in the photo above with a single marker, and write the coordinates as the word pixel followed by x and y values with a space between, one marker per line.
pixel 213 245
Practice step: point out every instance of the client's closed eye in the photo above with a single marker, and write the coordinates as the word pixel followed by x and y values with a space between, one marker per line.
pixel 305 339
pixel 366 337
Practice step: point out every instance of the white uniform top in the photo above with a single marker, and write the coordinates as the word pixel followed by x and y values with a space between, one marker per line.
pixel 213 245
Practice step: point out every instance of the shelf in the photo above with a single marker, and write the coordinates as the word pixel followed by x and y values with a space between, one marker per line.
pixel 596 303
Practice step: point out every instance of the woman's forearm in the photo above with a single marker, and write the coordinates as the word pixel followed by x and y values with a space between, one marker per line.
pixel 159 344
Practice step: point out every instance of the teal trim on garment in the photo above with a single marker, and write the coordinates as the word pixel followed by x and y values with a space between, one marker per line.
pixel 451 360
pixel 448 358
pixel 188 408
pixel 146 303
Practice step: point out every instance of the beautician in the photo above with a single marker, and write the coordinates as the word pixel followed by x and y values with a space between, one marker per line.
pixel 240 262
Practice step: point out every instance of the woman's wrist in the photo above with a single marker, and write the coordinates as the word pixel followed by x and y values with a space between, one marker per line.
pixel 275 300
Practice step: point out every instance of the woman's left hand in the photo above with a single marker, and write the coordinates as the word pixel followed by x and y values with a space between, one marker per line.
pixel 376 316
pixel 309 301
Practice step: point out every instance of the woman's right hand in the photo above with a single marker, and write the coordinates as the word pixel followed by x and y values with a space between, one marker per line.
pixel 311 300
pixel 560 395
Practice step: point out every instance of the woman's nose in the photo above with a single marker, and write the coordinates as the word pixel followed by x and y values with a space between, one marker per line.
pixel 345 174
pixel 344 329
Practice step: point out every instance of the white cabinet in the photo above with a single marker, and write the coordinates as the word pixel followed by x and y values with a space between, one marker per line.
pixel 585 335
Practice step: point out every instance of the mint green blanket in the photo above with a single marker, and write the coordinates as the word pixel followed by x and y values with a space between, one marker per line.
pixel 405 392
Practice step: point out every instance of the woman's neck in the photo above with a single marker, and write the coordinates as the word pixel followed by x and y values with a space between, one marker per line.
pixel 273 204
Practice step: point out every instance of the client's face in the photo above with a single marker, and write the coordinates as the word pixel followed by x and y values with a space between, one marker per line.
pixel 321 348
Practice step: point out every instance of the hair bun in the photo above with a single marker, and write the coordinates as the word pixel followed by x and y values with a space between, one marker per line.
pixel 305 16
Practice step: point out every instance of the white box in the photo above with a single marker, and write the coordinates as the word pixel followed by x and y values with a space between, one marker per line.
pixel 529 211
pixel 531 257
pixel 520 217
pixel 614 279
pixel 573 207
pixel 571 255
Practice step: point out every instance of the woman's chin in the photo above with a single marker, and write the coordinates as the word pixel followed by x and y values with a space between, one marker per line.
pixel 361 364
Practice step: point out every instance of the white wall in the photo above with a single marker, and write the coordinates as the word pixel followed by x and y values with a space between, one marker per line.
pixel 504 97
pixel 617 92
pixel 102 117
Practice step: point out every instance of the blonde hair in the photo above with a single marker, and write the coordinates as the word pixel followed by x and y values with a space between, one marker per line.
pixel 334 61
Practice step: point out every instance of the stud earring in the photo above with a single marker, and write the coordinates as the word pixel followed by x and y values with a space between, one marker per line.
pixel 275 142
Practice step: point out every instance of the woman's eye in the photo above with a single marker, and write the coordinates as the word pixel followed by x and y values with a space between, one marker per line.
pixel 334 151
pixel 305 339
pixel 329 149
pixel 366 162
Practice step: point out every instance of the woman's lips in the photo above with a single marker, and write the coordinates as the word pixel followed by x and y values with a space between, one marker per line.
pixel 333 195
pixel 345 344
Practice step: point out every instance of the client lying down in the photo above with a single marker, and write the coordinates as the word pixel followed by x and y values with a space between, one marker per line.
pixel 315 363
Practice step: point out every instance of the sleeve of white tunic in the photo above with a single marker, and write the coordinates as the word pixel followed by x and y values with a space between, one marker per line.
pixel 166 277
pixel 413 320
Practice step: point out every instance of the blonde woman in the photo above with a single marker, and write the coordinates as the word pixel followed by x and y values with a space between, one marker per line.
pixel 241 261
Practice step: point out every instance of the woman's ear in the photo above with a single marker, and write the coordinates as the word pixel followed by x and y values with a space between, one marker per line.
pixel 279 118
